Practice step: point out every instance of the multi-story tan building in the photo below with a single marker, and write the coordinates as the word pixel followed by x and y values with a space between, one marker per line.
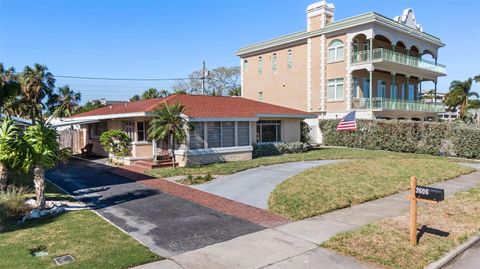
pixel 368 63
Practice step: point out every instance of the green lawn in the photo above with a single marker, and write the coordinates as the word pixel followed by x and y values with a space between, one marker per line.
pixel 386 242
pixel 326 188
pixel 319 154
pixel 92 241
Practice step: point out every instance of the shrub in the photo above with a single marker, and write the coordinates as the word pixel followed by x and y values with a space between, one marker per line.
pixel 12 203
pixel 436 138
pixel 270 149
pixel 116 143
pixel 305 132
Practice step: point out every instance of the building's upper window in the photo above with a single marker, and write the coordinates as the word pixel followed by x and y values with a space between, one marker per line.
pixel 335 51
pixel 289 59
pixel 335 89
pixel 197 135
pixel 274 63
pixel 260 64
pixel 260 96
pixel 269 131
pixel 245 65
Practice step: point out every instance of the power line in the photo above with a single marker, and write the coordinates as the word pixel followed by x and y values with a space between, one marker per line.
pixel 122 79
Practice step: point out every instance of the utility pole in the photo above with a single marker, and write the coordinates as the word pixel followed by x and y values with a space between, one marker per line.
pixel 204 74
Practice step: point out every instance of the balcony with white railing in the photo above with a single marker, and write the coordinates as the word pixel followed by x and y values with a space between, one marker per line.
pixel 380 103
pixel 381 54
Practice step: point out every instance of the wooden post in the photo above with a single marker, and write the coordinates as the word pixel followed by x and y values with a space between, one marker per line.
pixel 413 211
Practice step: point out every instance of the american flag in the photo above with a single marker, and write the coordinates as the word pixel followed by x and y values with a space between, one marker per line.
pixel 348 123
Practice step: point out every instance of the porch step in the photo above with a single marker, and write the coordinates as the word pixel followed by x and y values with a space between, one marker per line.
pixel 150 165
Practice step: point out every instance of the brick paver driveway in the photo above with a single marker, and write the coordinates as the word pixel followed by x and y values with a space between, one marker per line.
pixel 167 224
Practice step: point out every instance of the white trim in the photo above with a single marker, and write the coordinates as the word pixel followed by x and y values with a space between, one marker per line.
pixel 301 116
pixel 113 116
pixel 222 119
pixel 141 143
pixel 323 73
pixel 207 151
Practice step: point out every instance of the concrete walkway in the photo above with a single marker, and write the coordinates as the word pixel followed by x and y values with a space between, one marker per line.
pixel 295 245
pixel 253 186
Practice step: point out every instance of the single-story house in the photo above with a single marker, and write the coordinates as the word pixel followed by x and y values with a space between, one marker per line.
pixel 221 128
pixel 21 122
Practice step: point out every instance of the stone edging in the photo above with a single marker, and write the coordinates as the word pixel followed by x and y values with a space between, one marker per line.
pixel 451 255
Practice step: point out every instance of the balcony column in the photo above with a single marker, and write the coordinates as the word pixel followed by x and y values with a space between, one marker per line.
pixel 393 54
pixel 408 87
pixel 392 87
pixel 371 48
pixel 435 92
pixel 370 86
pixel 419 88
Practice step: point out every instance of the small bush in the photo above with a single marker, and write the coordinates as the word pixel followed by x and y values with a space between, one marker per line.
pixel 116 142
pixel 270 149
pixel 12 204
pixel 436 138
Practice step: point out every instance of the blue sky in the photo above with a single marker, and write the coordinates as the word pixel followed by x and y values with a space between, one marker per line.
pixel 169 39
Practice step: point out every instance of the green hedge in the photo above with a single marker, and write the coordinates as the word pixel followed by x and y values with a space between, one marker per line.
pixel 436 138
pixel 269 149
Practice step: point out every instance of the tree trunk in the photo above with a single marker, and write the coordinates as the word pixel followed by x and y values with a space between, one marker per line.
pixel 172 141
pixel 3 176
pixel 39 181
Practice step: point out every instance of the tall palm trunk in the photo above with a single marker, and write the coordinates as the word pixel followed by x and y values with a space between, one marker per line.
pixel 39 181
pixel 172 142
pixel 3 176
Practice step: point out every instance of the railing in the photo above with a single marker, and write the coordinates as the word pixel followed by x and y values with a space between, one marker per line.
pixel 381 54
pixel 390 104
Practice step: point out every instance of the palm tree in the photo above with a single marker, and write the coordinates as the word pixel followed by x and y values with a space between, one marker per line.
pixel 44 154
pixel 169 123
pixel 13 150
pixel 136 97
pixel 64 103
pixel 163 93
pixel 9 87
pixel 477 78
pixel 36 83
pixel 150 94
pixel 458 95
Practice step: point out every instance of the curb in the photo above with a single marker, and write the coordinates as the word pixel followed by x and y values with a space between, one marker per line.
pixel 451 255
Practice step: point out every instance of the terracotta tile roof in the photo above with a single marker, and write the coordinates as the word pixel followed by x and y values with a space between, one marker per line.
pixel 201 106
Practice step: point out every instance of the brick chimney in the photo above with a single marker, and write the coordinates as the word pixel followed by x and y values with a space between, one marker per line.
pixel 319 15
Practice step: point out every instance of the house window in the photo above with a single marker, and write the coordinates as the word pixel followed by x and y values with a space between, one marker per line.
pixel 355 86
pixel 260 65
pixel 141 131
pixel 274 63
pixel 381 88
pixel 96 129
pixel 335 89
pixel 411 92
pixel 214 136
pixel 228 134
pixel 268 131
pixel 243 128
pixel 289 59
pixel 335 51
pixel 221 134
pixel 260 96
pixel 366 88
pixel 197 135
pixel 128 128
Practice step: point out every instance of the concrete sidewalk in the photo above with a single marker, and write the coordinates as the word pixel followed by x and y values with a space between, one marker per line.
pixel 295 245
